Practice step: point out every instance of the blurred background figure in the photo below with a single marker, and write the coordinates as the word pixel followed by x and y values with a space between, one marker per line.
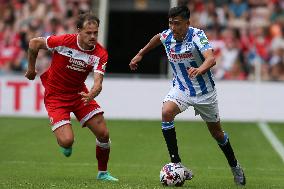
pixel 21 20
pixel 246 34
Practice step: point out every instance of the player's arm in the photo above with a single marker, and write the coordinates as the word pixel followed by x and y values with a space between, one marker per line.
pixel 35 45
pixel 208 63
pixel 153 43
pixel 95 90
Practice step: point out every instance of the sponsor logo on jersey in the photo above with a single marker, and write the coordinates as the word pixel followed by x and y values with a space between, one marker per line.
pixel 180 56
pixel 203 41
pixel 69 53
pixel 93 59
pixel 164 35
pixel 77 65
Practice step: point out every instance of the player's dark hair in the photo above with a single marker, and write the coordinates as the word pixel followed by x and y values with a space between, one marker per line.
pixel 88 16
pixel 181 11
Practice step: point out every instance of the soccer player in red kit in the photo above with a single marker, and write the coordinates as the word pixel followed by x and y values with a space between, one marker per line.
pixel 74 56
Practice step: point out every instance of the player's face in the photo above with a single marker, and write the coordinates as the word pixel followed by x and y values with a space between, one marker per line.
pixel 88 35
pixel 179 27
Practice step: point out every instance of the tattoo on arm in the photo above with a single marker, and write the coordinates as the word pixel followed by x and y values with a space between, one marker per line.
pixel 32 52
pixel 32 55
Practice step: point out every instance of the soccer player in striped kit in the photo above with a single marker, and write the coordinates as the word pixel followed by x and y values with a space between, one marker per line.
pixel 74 57
pixel 191 57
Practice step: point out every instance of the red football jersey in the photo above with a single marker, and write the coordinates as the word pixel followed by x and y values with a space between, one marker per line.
pixel 70 64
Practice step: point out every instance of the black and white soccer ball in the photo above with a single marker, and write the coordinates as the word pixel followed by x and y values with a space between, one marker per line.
pixel 172 174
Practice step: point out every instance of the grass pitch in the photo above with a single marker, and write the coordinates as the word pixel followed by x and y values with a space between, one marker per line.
pixel 30 157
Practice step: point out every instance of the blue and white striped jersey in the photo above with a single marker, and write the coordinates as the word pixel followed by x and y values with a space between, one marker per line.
pixel 185 54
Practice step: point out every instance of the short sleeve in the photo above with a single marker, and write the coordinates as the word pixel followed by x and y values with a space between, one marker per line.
pixel 54 41
pixel 164 35
pixel 101 67
pixel 201 41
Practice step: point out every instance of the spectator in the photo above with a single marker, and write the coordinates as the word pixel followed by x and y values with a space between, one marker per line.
pixel 228 58
pixel 257 21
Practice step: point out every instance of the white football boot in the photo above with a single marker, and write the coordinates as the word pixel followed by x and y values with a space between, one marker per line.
pixel 187 172
pixel 239 176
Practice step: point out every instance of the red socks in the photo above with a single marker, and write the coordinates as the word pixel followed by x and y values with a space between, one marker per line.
pixel 102 154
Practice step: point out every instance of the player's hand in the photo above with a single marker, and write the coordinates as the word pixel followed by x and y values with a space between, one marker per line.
pixel 134 62
pixel 86 97
pixel 193 72
pixel 30 74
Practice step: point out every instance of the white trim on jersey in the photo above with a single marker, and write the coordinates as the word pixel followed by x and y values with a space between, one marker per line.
pixel 98 71
pixel 78 55
pixel 50 49
pixel 77 39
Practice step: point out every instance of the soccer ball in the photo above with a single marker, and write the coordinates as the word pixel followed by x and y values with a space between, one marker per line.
pixel 172 174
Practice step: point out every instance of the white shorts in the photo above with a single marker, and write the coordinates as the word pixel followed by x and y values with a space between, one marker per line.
pixel 206 105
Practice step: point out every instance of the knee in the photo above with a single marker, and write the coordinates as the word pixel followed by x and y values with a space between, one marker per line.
pixel 102 132
pixel 66 141
pixel 103 135
pixel 167 114
pixel 218 135
pixel 221 137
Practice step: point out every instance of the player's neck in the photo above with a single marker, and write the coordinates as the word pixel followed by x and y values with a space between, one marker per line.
pixel 83 46
pixel 182 37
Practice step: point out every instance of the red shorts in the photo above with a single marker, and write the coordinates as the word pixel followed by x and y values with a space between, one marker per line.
pixel 59 108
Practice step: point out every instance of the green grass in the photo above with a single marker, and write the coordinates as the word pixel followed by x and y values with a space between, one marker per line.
pixel 278 129
pixel 30 157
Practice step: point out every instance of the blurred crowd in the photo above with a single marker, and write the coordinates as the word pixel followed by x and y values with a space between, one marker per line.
pixel 247 35
pixel 21 20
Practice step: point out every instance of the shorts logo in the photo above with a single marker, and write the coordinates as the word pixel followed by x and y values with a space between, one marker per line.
pixel 51 120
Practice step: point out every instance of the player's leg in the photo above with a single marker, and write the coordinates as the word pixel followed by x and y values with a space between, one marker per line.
pixel 91 115
pixel 60 124
pixel 169 111
pixel 98 127
pixel 207 107
pixel 65 138
pixel 174 103
pixel 223 141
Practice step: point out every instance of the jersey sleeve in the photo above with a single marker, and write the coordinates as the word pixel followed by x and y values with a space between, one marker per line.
pixel 101 66
pixel 163 36
pixel 54 41
pixel 201 41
